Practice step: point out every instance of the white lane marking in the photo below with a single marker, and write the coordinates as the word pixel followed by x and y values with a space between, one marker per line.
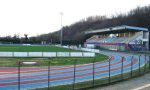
pixel 142 87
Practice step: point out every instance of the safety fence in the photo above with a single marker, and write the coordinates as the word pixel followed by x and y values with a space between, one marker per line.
pixel 47 54
pixel 29 75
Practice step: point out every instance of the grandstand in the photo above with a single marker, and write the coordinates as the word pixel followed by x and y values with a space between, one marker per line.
pixel 121 38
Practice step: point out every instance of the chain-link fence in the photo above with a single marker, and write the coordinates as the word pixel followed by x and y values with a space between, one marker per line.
pixel 76 76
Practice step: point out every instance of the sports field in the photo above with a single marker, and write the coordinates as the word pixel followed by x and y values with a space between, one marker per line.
pixel 33 48
pixel 54 61
pixel 44 61
pixel 61 73
pixel 12 63
pixel 37 77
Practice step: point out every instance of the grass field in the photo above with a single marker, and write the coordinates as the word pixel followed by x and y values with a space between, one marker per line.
pixel 21 48
pixel 44 61
pixel 9 62
pixel 57 61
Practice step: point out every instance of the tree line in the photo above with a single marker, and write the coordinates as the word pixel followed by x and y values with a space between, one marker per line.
pixel 74 33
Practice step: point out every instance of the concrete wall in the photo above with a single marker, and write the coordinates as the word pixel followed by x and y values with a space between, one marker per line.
pixel 47 54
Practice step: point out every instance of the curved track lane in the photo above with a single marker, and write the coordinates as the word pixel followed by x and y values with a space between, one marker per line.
pixel 37 77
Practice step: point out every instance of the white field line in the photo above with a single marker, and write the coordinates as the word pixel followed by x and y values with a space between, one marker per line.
pixel 142 87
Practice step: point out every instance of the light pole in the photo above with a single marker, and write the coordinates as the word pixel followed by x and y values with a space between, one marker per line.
pixel 61 31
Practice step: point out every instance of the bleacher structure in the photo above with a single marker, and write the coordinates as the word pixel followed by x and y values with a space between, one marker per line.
pixel 121 38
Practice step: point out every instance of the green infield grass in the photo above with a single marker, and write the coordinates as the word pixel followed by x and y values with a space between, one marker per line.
pixel 58 61
pixel 45 61
pixel 21 48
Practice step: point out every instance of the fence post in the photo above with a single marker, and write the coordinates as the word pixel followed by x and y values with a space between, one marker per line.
pixel 19 64
pixel 42 53
pixel 74 78
pixel 149 62
pixel 49 63
pixel 13 54
pixel 82 54
pixel 145 62
pixel 93 71
pixel 109 70
pixel 27 54
pixel 139 64
pixel 69 54
pixel 122 68
pixel 132 65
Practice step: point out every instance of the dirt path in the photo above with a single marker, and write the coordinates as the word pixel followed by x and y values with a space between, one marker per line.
pixel 139 83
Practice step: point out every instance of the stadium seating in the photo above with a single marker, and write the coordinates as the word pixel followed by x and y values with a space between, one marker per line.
pixel 136 47
pixel 109 39
pixel 120 40
pixel 128 40
pixel 114 43
pixel 94 38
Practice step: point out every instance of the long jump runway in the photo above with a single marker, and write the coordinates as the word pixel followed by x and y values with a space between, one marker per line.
pixel 37 77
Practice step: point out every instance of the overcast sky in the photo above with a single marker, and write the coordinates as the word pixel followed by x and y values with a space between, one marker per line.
pixel 35 17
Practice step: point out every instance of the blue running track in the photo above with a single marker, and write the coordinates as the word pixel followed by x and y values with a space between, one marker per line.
pixel 37 77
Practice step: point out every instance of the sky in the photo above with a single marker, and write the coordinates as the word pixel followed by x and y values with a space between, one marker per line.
pixel 35 17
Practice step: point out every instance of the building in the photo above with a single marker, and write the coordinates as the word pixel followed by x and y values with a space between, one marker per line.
pixel 120 38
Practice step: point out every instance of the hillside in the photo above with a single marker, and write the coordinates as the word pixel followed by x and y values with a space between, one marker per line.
pixel 75 32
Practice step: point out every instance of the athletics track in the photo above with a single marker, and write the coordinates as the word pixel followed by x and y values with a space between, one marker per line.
pixel 37 77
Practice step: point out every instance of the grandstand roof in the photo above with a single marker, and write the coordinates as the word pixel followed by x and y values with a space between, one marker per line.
pixel 117 29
